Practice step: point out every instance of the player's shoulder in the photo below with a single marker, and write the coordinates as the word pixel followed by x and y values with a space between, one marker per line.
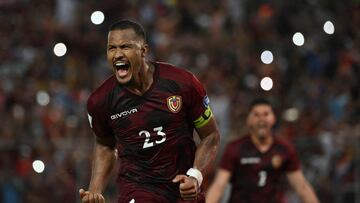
pixel 284 143
pixel 97 97
pixel 171 71
pixel 238 141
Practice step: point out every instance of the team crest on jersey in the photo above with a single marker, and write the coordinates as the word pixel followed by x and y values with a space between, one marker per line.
pixel 276 161
pixel 174 103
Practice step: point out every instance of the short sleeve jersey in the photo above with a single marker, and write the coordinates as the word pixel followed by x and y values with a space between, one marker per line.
pixel 256 177
pixel 154 131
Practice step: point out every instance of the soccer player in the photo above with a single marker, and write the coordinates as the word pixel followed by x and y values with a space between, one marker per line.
pixel 254 164
pixel 148 112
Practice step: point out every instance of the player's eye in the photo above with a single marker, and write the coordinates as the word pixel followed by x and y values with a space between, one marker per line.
pixel 125 46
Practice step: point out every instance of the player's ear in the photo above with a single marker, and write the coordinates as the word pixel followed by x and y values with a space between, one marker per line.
pixel 144 50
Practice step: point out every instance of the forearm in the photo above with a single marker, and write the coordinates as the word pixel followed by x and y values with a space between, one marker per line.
pixel 213 195
pixel 302 187
pixel 307 195
pixel 206 153
pixel 103 162
pixel 216 191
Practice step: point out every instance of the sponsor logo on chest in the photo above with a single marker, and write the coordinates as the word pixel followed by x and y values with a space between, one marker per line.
pixel 250 160
pixel 123 114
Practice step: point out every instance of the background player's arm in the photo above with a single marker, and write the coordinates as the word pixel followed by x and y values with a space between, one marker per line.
pixel 103 162
pixel 217 188
pixel 302 187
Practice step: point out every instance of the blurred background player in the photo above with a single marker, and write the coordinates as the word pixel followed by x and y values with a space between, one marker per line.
pixel 256 163
pixel 149 110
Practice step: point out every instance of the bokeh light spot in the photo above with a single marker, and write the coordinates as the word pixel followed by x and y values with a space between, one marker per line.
pixel 266 83
pixel 42 98
pixel 60 49
pixel 298 39
pixel 38 166
pixel 267 57
pixel 329 27
pixel 291 114
pixel 97 17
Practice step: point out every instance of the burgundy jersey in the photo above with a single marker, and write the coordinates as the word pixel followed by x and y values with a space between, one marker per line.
pixel 256 176
pixel 154 131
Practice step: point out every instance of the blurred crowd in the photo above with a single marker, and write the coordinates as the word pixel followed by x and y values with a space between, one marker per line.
pixel 43 97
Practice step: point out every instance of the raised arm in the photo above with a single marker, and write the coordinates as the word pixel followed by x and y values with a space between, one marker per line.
pixel 302 187
pixel 216 189
pixel 103 162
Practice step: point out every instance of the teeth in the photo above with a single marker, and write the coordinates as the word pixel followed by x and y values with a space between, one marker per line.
pixel 119 63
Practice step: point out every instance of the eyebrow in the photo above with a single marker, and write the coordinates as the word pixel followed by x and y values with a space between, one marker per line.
pixel 131 44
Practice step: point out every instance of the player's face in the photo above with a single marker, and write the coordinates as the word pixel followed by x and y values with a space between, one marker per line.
pixel 260 120
pixel 126 54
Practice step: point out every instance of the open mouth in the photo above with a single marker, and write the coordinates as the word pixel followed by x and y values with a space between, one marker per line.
pixel 122 68
pixel 261 126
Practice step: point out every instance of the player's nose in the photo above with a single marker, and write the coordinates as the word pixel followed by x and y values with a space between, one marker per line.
pixel 118 53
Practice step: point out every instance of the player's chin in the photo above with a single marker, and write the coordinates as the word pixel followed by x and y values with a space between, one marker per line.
pixel 123 80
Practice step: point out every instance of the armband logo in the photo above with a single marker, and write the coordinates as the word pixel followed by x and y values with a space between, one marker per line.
pixel 174 103
pixel 206 101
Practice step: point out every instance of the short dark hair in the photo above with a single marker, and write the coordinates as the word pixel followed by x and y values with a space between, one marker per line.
pixel 261 101
pixel 126 24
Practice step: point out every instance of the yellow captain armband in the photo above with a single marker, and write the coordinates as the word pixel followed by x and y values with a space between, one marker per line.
pixel 204 118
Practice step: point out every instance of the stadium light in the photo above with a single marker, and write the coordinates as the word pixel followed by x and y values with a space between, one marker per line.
pixel 266 83
pixel 38 166
pixel 298 39
pixel 267 57
pixel 60 49
pixel 97 17
pixel 42 98
pixel 329 27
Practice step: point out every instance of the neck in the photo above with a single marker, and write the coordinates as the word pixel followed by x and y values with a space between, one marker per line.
pixel 262 143
pixel 143 80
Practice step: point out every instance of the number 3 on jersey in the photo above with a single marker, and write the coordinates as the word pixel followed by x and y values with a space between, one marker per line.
pixel 262 178
pixel 147 134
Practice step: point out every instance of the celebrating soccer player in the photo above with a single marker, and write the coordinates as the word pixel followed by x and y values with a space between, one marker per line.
pixel 148 111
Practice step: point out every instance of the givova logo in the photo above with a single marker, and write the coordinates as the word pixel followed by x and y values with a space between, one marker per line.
pixel 124 113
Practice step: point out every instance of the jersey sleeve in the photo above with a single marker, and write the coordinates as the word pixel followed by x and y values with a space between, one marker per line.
pixel 200 111
pixel 293 162
pixel 229 157
pixel 99 124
